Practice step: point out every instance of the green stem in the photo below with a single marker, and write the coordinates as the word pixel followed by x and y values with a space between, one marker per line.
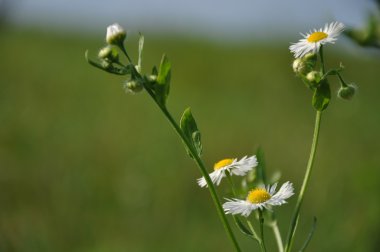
pixel 231 183
pixel 296 213
pixel 277 235
pixel 203 170
pixel 341 80
pixel 121 46
pixel 255 236
pixel 261 220
pixel 322 59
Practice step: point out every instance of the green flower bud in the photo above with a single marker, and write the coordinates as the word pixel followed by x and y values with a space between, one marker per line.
pixel 115 34
pixel 310 59
pixel 347 92
pixel 314 77
pixel 109 54
pixel 302 66
pixel 133 86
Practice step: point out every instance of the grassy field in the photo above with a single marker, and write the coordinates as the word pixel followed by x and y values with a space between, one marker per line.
pixel 85 167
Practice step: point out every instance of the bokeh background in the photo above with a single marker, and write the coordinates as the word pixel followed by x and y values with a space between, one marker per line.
pixel 86 167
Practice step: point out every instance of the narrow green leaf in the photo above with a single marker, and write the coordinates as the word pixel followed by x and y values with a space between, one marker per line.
pixel 197 142
pixel 260 169
pixel 141 47
pixel 190 129
pixel 242 227
pixel 313 227
pixel 163 81
pixel 322 96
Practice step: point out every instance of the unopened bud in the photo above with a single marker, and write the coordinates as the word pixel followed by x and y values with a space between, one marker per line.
pixel 314 77
pixel 115 34
pixel 109 54
pixel 347 92
pixel 152 78
pixel 133 86
pixel 310 59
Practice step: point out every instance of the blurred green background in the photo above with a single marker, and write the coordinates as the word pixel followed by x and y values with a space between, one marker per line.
pixel 86 167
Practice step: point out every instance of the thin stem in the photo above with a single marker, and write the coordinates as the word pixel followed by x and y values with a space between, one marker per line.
pixel 121 46
pixel 322 60
pixel 296 213
pixel 255 236
pixel 203 170
pixel 277 235
pixel 231 183
pixel 261 220
pixel 341 80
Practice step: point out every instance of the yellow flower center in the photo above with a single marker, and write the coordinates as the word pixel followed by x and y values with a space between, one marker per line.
pixel 316 36
pixel 223 163
pixel 258 195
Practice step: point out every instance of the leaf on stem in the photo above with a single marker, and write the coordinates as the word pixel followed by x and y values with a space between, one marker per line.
pixel 190 129
pixel 313 227
pixel 242 227
pixel 141 47
pixel 163 81
pixel 322 96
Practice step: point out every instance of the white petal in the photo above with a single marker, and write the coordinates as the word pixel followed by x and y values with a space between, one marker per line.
pixel 285 192
pixel 216 177
pixel 243 166
pixel 236 206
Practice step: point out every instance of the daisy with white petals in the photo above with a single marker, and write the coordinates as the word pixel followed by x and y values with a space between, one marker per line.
pixel 259 198
pixel 312 41
pixel 232 166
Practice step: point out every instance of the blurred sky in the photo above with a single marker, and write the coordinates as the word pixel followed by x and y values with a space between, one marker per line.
pixel 214 19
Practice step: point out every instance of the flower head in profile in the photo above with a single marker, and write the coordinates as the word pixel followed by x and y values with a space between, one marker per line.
pixel 312 41
pixel 259 198
pixel 115 34
pixel 232 166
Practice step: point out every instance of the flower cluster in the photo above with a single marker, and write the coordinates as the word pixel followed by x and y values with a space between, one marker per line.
pixel 261 197
pixel 306 52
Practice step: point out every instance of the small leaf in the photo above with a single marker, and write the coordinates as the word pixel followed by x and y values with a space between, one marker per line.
pixel 242 227
pixel 322 96
pixel 141 47
pixel 163 81
pixel 154 70
pixel 190 129
pixel 197 142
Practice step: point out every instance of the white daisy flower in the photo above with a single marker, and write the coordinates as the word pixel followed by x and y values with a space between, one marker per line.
pixel 259 198
pixel 233 166
pixel 115 34
pixel 312 41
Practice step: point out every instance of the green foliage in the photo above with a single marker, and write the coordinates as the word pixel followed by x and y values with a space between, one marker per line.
pixel 163 81
pixel 322 96
pixel 190 129
pixel 86 168
pixel 141 48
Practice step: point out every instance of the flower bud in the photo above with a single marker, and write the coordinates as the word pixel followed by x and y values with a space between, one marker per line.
pixel 152 78
pixel 115 34
pixel 109 54
pixel 347 92
pixel 138 68
pixel 133 86
pixel 310 59
pixel 314 77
